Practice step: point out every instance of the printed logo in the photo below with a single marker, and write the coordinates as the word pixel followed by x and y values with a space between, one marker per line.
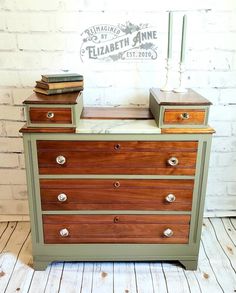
pixel 124 42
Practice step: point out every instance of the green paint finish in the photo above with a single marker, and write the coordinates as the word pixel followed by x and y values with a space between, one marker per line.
pixel 159 110
pixel 187 254
pixel 76 111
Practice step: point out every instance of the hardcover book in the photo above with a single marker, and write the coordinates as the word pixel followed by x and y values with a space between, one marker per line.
pixel 62 77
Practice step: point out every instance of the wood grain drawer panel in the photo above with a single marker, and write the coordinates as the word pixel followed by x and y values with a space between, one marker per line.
pixel 106 158
pixel 174 116
pixel 116 229
pixel 106 194
pixel 61 115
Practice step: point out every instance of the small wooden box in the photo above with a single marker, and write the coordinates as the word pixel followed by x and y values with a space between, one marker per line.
pixel 62 110
pixel 175 110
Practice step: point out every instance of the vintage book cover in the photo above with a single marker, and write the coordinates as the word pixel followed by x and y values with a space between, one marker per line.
pixel 58 85
pixel 57 91
pixel 62 77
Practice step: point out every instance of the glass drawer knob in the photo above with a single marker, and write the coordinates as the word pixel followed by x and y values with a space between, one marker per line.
pixel 50 115
pixel 62 197
pixel 168 233
pixel 64 232
pixel 170 197
pixel 117 146
pixel 61 160
pixel 173 161
pixel 185 116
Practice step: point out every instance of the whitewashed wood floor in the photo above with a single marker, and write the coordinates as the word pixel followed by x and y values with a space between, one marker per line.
pixel 216 270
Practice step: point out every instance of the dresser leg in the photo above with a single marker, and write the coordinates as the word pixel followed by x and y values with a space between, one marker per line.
pixel 40 265
pixel 190 265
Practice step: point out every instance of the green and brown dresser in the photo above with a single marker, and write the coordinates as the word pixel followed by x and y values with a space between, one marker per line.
pixel 117 184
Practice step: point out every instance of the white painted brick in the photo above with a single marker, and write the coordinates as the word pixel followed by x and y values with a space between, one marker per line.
pixel 11 113
pixel 228 96
pixel 8 41
pixel 2 22
pixel 220 60
pixel 12 128
pixel 39 42
pixel 224 174
pixel 9 78
pixel 21 158
pixel 212 94
pixel 2 128
pixel 14 207
pixel 9 160
pixel 11 176
pixel 5 96
pixel 20 60
pixel 231 188
pixel 19 95
pixel 5 192
pixel 221 203
pixel 214 159
pixel 222 128
pixel 8 145
pixel 28 5
pixel 224 41
pixel 215 187
pixel 227 159
pixel 234 129
pixel 223 113
pixel 24 22
pixel 221 144
pixel 19 192
pixel 222 79
pixel 196 79
pixel 218 21
pixel 28 77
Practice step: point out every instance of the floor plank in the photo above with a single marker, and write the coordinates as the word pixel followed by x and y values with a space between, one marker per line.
pixel 144 278
pixel 6 235
pixel 158 277
pixel 175 278
pixel 54 278
pixel 219 262
pixel 11 251
pixel 71 280
pixel 39 281
pixel 230 230
pixel 103 277
pixel 87 281
pixel 124 277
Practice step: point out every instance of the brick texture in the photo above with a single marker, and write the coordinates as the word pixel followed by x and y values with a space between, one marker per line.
pixel 38 37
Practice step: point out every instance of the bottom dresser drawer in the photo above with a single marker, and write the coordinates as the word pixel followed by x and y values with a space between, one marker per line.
pixel 116 228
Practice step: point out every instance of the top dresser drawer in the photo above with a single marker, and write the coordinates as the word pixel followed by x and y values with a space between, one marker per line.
pixel 121 157
pixel 50 115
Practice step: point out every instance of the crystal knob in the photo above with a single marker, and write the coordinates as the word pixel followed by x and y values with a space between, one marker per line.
pixel 117 146
pixel 173 161
pixel 170 197
pixel 64 232
pixel 61 160
pixel 50 115
pixel 62 197
pixel 168 233
pixel 184 116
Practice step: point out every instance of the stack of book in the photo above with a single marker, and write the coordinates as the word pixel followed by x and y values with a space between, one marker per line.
pixel 52 84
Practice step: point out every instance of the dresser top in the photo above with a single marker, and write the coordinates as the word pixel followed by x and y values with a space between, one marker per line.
pixel 62 99
pixel 177 99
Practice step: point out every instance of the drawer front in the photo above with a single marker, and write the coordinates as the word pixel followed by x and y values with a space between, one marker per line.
pixel 116 228
pixel 122 194
pixel 105 157
pixel 184 116
pixel 50 115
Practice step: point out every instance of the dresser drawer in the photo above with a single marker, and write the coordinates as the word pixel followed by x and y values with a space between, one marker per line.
pixel 123 157
pixel 50 115
pixel 122 194
pixel 184 116
pixel 116 228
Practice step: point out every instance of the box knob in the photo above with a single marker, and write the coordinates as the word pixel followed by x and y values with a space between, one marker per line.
pixel 184 116
pixel 62 197
pixel 60 160
pixel 170 197
pixel 50 115
pixel 168 233
pixel 173 161
pixel 64 232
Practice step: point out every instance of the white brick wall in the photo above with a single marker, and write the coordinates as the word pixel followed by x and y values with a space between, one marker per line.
pixel 44 36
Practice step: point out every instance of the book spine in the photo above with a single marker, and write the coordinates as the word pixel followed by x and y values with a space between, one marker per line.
pixel 62 79
pixel 64 90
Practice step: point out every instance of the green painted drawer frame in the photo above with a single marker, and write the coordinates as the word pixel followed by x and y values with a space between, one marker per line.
pixel 76 111
pixel 187 254
pixel 159 110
